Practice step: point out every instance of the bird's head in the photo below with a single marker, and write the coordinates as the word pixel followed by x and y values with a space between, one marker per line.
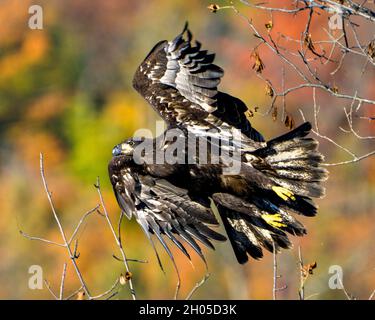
pixel 126 147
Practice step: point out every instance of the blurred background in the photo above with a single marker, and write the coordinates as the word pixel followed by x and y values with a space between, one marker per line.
pixel 66 91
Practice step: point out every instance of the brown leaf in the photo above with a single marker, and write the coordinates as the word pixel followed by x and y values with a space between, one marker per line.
pixel 269 26
pixel 269 91
pixel 371 49
pixel 289 122
pixel 308 269
pixel 122 280
pixel 125 278
pixel 312 266
pixel 250 113
pixel 258 65
pixel 274 113
pixel 213 7
pixel 308 42
pixel 128 275
pixel 335 89
pixel 81 295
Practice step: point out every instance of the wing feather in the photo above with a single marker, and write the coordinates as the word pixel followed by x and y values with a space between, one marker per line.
pixel 191 71
pixel 162 209
pixel 180 80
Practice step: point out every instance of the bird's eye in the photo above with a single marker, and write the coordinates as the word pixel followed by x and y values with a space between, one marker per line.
pixel 131 143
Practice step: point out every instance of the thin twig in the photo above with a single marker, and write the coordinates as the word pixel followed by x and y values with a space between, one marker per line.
pixel 276 276
pixel 117 238
pixel 50 289
pixel 372 295
pixel 95 209
pixel 316 131
pixel 197 286
pixel 110 290
pixel 74 293
pixel 62 282
pixel 274 295
pixel 41 239
pixel 347 295
pixel 130 260
pixel 301 291
pixel 62 232
pixel 73 254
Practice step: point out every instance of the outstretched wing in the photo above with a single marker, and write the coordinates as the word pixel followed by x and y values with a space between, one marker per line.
pixel 162 209
pixel 180 80
pixel 191 71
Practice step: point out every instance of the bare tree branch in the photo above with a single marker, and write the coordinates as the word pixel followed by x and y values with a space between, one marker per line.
pixel 62 232
pixel 116 237
pixel 276 276
pixel 311 60
pixel 197 286
pixel 62 282
pixel 81 221
pixel 301 291
pixel 73 254
pixel 50 289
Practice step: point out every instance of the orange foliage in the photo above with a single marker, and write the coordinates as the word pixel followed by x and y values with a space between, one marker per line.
pixel 53 114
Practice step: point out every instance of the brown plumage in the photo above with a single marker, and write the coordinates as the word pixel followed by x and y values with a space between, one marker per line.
pixel 275 178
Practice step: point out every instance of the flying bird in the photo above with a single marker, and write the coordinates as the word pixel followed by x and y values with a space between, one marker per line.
pixel 275 178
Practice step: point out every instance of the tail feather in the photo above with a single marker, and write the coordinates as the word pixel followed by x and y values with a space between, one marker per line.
pixel 289 174
pixel 249 231
pixel 294 162
pixel 242 239
pixel 307 189
pixel 301 205
pixel 248 239
pixel 282 241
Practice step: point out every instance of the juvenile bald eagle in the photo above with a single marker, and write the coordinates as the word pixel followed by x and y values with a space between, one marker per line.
pixel 275 178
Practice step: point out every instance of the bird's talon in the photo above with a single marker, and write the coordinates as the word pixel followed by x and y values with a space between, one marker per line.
pixel 274 220
pixel 284 193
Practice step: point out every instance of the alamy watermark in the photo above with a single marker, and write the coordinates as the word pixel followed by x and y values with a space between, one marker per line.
pixel 335 22
pixel 36 279
pixel 336 279
pixel 36 19
pixel 177 146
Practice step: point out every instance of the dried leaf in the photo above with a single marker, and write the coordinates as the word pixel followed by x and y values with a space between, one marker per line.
pixel 269 91
pixel 308 269
pixel 125 278
pixel 312 266
pixel 213 7
pixel 128 275
pixel 122 280
pixel 81 295
pixel 250 113
pixel 335 89
pixel 371 49
pixel 308 42
pixel 258 65
pixel 289 122
pixel 269 26
pixel 274 113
